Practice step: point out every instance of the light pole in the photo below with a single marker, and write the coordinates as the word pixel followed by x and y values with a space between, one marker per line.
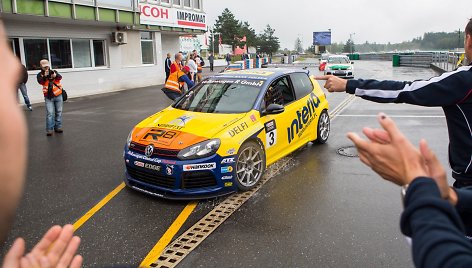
pixel 352 42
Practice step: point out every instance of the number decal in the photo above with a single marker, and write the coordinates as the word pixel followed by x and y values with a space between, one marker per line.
pixel 271 133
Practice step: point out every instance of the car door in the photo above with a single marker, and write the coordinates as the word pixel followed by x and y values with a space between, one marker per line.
pixel 275 125
pixel 307 103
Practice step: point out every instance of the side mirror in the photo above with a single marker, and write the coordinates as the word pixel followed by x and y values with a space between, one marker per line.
pixel 274 109
pixel 352 62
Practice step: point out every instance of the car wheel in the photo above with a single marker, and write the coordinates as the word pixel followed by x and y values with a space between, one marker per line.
pixel 250 165
pixel 323 128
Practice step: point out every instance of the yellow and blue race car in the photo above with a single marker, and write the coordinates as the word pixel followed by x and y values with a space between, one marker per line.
pixel 220 136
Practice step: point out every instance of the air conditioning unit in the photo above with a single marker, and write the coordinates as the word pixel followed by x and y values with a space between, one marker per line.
pixel 119 38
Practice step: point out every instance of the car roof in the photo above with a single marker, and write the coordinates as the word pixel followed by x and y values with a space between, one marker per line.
pixel 259 73
pixel 338 56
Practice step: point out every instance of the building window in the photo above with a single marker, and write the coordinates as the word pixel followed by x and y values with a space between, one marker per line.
pixel 187 3
pixel 60 53
pixel 15 46
pixel 147 51
pixel 99 52
pixel 81 52
pixel 165 1
pixel 35 50
pixel 196 4
pixel 177 2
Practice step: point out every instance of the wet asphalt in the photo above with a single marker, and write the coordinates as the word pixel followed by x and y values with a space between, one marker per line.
pixel 325 210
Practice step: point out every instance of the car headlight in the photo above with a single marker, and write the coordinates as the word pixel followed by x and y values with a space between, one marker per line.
pixel 128 140
pixel 200 150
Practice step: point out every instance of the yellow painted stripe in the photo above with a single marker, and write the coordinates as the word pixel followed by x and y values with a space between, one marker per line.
pixel 168 235
pixel 98 206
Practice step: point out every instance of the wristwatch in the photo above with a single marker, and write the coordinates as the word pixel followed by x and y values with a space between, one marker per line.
pixel 403 190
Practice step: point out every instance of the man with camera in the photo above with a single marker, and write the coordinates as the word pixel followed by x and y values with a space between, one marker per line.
pixel 52 90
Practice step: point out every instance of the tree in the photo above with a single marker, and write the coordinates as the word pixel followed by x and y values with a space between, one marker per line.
pixel 269 43
pixel 251 36
pixel 298 45
pixel 349 47
pixel 229 28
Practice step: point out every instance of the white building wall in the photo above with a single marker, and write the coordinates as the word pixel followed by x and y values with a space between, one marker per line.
pixel 124 70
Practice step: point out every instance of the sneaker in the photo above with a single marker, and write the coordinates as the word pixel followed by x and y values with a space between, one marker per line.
pixel 30 108
pixel 49 133
pixel 58 130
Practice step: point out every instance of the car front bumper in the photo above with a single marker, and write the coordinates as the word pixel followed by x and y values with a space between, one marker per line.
pixel 340 73
pixel 177 179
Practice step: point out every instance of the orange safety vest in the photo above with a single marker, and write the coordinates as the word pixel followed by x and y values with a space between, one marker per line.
pixel 173 81
pixel 56 89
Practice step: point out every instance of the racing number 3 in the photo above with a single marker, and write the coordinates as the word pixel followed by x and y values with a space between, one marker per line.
pixel 271 133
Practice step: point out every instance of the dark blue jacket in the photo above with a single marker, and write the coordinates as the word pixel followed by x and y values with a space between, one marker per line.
pixel 452 91
pixel 435 226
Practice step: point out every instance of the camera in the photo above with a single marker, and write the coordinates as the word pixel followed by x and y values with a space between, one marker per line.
pixel 49 75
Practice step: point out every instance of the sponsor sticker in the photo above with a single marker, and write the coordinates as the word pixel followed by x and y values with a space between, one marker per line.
pixel 228 184
pixel 138 164
pixel 204 166
pixel 227 160
pixel 227 177
pixel 227 169
pixel 238 129
pixel 253 118
pixel 142 157
pixel 271 133
pixel 153 167
pixel 169 169
pixel 303 118
pixel 231 151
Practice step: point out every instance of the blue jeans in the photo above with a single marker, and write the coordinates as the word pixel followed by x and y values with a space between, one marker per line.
pixel 171 94
pixel 24 92
pixel 53 113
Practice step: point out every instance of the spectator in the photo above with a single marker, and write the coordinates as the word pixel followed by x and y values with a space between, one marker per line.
pixel 200 64
pixel 193 67
pixel 429 217
pixel 451 91
pixel 177 64
pixel 23 89
pixel 174 86
pixel 211 60
pixel 52 90
pixel 58 246
pixel 167 65
pixel 228 59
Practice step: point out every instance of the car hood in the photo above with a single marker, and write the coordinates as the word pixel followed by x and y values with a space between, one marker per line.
pixel 177 129
pixel 338 66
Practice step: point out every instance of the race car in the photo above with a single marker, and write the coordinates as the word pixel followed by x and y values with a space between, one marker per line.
pixel 339 65
pixel 220 136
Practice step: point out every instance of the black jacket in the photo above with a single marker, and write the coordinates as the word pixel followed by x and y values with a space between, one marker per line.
pixel 167 65
pixel 435 227
pixel 24 75
pixel 452 91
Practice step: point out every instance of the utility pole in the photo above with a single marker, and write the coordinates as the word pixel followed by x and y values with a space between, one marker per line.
pixel 459 43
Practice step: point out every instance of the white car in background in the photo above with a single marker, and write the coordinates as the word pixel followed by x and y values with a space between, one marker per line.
pixel 339 65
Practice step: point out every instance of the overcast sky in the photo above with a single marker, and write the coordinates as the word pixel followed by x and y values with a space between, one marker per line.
pixel 378 21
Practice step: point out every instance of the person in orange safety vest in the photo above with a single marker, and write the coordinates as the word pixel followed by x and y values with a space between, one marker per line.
pixel 175 83
pixel 52 90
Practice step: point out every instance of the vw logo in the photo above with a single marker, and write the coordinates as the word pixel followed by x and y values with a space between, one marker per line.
pixel 149 150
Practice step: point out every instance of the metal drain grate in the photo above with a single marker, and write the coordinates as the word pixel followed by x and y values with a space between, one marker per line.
pixel 349 151
pixel 188 241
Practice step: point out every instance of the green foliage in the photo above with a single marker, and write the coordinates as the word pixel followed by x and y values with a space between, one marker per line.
pixel 349 47
pixel 298 45
pixel 268 42
pixel 232 30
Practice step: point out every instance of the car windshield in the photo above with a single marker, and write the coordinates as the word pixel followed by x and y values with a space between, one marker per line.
pixel 341 60
pixel 221 96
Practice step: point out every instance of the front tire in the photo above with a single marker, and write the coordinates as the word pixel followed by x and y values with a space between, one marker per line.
pixel 323 129
pixel 250 165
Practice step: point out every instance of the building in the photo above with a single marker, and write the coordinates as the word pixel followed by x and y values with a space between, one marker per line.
pixel 99 45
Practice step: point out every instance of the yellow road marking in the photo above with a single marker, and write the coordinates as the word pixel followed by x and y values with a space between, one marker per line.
pixel 168 235
pixel 98 206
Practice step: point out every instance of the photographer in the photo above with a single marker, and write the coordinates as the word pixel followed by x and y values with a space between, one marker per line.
pixel 52 90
